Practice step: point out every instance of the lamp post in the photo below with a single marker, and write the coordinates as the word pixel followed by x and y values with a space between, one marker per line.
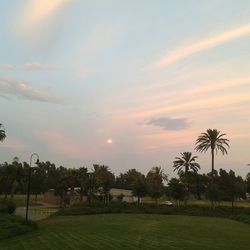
pixel 28 189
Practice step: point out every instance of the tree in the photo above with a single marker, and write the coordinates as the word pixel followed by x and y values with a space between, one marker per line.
pixel 126 180
pixel 38 180
pixel 214 140
pixel 186 162
pixel 90 187
pixel 155 178
pixel 83 180
pixel 11 176
pixel 176 190
pixel 197 184
pixel 248 182
pixel 139 188
pixel 62 185
pixel 231 187
pixel 2 133
pixel 104 179
pixel 72 179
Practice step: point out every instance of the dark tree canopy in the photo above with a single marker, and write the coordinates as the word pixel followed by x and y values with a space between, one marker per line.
pixel 2 133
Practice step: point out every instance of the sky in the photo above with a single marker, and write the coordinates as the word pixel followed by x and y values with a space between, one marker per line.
pixel 128 84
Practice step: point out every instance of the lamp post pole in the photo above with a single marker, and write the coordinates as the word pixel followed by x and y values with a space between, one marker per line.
pixel 28 188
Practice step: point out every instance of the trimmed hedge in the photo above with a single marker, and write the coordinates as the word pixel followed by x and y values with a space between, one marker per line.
pixel 12 225
pixel 242 218
pixel 85 209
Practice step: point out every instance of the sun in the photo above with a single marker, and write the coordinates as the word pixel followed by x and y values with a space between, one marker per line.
pixel 109 141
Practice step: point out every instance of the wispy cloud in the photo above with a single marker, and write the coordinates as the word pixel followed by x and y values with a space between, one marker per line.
pixel 39 66
pixel 200 46
pixel 38 20
pixel 191 106
pixel 167 123
pixel 7 67
pixel 24 90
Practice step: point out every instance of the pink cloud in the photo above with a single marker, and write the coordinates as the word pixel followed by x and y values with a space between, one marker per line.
pixel 63 144
pixel 200 46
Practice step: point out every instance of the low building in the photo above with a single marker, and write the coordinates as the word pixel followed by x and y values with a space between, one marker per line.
pixel 248 196
pixel 124 195
pixel 50 198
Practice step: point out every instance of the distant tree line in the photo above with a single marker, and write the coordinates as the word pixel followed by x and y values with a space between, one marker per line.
pixel 215 185
pixel 226 185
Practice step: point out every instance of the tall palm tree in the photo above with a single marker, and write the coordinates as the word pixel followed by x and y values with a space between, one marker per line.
pixel 2 133
pixel 214 140
pixel 186 162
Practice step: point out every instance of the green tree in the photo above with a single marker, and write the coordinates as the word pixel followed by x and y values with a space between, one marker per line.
pixel 61 187
pixel 176 190
pixel 214 140
pixel 139 188
pixel 83 176
pixel 231 187
pixel 127 180
pixel 186 163
pixel 72 179
pixel 2 133
pixel 90 187
pixel 104 179
pixel 248 182
pixel 38 180
pixel 155 179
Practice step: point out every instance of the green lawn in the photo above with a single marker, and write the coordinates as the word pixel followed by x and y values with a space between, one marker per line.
pixel 134 231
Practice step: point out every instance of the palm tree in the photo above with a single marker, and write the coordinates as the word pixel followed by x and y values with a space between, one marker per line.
pixel 186 162
pixel 212 139
pixel 2 133
pixel 155 179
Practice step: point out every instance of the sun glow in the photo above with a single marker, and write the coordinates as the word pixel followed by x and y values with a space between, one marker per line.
pixel 109 141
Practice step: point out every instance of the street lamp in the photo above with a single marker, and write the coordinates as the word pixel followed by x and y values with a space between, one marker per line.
pixel 28 189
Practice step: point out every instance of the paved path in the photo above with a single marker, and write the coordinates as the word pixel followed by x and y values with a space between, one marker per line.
pixel 36 212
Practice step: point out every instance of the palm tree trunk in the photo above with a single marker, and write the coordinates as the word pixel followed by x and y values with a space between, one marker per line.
pixel 186 187
pixel 212 178
pixel 212 151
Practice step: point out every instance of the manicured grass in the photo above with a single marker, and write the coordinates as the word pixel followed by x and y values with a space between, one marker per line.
pixel 134 231
pixel 12 225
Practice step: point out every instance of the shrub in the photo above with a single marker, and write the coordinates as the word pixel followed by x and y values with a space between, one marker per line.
pixel 241 217
pixel 120 207
pixel 7 206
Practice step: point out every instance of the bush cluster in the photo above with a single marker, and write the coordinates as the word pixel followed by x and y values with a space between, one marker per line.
pixel 7 206
pixel 119 207
pixel 242 218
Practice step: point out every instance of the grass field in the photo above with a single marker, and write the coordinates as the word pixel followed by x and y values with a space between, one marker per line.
pixel 133 231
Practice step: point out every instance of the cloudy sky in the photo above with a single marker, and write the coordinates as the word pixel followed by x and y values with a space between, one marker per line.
pixel 129 84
